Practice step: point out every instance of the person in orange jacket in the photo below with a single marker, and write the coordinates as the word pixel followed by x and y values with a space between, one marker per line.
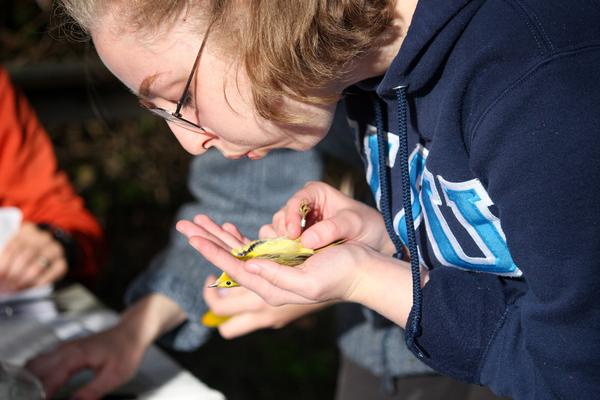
pixel 57 236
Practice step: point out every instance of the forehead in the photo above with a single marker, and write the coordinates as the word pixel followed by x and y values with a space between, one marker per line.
pixel 141 62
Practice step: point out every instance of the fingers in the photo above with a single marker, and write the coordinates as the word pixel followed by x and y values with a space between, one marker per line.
pixel 33 258
pixel 235 268
pixel 267 232
pixel 217 255
pixel 10 251
pixel 294 280
pixel 55 368
pixel 205 227
pixel 232 229
pixel 316 194
pixel 44 363
pixel 212 227
pixel 56 271
pixel 243 324
pixel 105 381
pixel 268 317
pixel 343 225
pixel 226 302
pixel 278 224
pixel 19 262
pixel 190 229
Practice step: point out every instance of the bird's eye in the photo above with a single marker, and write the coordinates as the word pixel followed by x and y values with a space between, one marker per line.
pixel 228 283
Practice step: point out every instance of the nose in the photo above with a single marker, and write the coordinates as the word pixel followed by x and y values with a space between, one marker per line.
pixel 195 143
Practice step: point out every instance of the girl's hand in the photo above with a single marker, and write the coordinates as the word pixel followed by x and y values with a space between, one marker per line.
pixel 249 312
pixel 329 275
pixel 31 258
pixel 226 236
pixel 347 272
pixel 333 216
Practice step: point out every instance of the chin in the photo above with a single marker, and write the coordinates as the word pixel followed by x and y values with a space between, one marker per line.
pixel 256 156
pixel 235 156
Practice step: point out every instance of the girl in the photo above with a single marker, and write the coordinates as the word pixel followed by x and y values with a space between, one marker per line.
pixel 477 120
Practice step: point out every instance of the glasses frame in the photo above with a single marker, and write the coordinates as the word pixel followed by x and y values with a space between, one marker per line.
pixel 176 116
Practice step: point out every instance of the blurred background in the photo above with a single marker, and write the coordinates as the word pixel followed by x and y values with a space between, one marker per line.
pixel 132 172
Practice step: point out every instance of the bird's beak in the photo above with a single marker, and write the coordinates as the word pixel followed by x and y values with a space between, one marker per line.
pixel 215 284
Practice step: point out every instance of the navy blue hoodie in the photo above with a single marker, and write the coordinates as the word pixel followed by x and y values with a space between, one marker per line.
pixel 495 106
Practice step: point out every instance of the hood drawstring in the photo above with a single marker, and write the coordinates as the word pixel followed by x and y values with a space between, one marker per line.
pixel 413 329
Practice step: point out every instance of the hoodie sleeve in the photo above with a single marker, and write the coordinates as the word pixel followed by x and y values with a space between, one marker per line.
pixel 537 151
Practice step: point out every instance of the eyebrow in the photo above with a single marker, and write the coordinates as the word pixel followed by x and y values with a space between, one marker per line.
pixel 145 89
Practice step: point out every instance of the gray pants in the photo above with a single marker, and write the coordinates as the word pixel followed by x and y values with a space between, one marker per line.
pixel 357 383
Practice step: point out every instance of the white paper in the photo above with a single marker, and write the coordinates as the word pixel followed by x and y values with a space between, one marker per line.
pixel 10 221
pixel 34 293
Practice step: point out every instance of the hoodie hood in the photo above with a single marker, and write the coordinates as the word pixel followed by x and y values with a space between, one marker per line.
pixel 436 25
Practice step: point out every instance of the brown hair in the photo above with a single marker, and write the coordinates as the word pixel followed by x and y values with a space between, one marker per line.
pixel 291 48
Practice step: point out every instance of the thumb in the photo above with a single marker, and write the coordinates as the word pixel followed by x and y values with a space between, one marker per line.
pixel 327 231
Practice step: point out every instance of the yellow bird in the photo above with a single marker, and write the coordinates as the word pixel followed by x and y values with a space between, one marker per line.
pixel 282 250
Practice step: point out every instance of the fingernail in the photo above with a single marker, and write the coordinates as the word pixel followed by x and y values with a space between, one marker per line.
pixel 252 268
pixel 291 227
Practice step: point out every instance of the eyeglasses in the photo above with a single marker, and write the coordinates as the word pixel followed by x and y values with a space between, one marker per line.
pixel 176 117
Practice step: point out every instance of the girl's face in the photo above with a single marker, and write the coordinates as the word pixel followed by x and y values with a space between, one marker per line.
pixel 221 100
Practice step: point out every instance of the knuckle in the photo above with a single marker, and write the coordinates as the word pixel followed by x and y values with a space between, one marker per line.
pixel 121 372
pixel 273 301
pixel 218 309
pixel 314 291
pixel 57 248
pixel 226 334
pixel 264 231
pixel 328 228
pixel 313 184
pixel 201 219
pixel 271 321
pixel 45 236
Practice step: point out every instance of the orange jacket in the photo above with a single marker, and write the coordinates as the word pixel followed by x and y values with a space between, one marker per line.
pixel 30 180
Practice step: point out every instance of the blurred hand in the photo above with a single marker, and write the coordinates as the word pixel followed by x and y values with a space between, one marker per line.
pixel 31 258
pixel 113 355
pixel 333 216
pixel 248 311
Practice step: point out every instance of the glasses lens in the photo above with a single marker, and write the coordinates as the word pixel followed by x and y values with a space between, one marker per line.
pixel 164 114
